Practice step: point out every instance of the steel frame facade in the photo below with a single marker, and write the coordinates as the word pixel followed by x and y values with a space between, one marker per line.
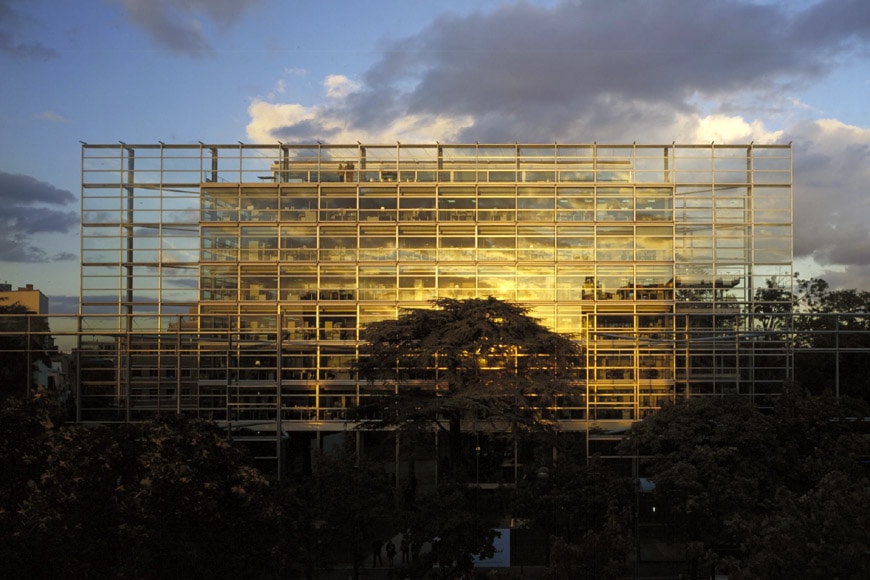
pixel 655 257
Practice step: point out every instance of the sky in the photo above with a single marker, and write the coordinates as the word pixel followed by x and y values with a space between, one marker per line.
pixel 420 71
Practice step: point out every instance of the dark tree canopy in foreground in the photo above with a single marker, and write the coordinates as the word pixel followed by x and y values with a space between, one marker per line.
pixel 739 485
pixel 481 360
pixel 169 498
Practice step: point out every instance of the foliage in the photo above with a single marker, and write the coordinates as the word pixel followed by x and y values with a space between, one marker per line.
pixel 456 520
pixel 599 553
pixel 163 499
pixel 708 458
pixel 771 304
pixel 833 319
pixel 22 423
pixel 586 512
pixel 823 533
pixel 352 504
pixel 478 359
pixel 570 499
pixel 15 342
pixel 726 474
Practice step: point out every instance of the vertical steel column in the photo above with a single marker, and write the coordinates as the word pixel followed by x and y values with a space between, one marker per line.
pixel 837 358
pixel 229 379
pixel 178 366
pixel 29 367
pixel 279 414
pixel 214 164
pixel 128 307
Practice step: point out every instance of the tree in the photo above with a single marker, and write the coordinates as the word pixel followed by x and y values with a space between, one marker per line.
pixel 725 471
pixel 570 498
pixel 165 498
pixel 456 521
pixel 480 360
pixel 823 533
pixel 353 506
pixel 772 305
pixel 585 512
pixel 23 423
pixel 601 553
pixel 709 459
pixel 833 338
pixel 23 342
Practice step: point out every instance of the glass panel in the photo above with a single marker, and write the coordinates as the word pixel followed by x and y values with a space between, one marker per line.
pixel 535 283
pixel 536 243
pixel 259 204
pixel 220 204
pixel 338 243
pixel 336 206
pixel 497 281
pixel 299 243
pixel 298 204
pixel 575 204
pixel 576 283
pixel 417 205
pixel 456 281
pixel 377 204
pixel 220 244
pixel 574 243
pixel 417 243
pixel 456 204
pixel 457 243
pixel 259 243
pixel 615 204
pixel 535 204
pixel 615 282
pixel 377 243
pixel 298 282
pixel 337 282
pixel 416 283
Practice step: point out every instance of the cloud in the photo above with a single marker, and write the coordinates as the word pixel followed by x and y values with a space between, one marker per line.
pixel 51 117
pixel 177 25
pixel 338 87
pixel 583 71
pixel 662 71
pixel 732 129
pixel 12 23
pixel 831 173
pixel 32 208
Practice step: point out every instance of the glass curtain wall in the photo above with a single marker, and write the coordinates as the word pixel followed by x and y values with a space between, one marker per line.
pixel 215 277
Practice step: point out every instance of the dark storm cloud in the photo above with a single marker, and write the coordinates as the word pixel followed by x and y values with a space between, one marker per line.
pixel 831 201
pixel 834 22
pixel 24 188
pixel 11 24
pixel 32 207
pixel 303 132
pixel 620 71
pixel 598 68
pixel 175 24
pixel 624 71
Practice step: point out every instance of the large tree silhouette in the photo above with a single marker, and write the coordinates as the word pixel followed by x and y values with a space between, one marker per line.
pixel 481 360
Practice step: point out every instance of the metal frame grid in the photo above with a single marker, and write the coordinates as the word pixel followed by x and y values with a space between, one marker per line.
pixel 655 257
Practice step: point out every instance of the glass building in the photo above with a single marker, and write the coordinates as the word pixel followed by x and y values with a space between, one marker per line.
pixel 232 281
